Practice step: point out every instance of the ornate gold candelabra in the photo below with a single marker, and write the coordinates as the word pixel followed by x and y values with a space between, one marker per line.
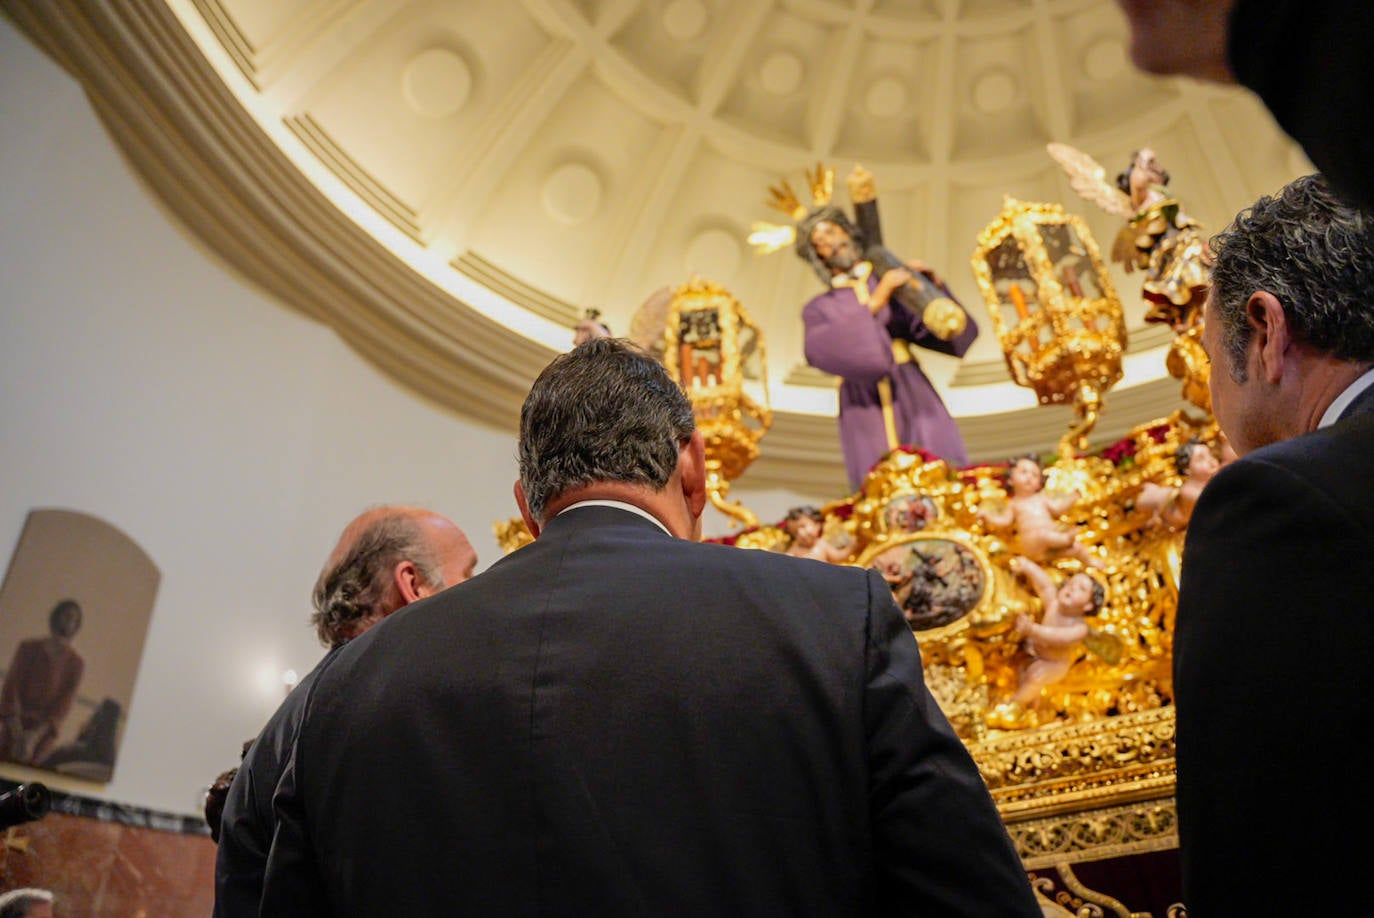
pixel 712 346
pixel 1057 316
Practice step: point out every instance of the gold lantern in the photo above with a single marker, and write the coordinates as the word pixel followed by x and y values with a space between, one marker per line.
pixel 711 348
pixel 1056 314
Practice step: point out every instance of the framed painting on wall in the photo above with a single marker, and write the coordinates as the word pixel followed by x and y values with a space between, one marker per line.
pixel 74 611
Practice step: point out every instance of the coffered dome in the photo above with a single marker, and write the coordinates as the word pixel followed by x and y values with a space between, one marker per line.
pixel 450 185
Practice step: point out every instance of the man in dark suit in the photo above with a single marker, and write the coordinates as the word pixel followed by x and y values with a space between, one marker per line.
pixel 1272 677
pixel 620 720
pixel 386 558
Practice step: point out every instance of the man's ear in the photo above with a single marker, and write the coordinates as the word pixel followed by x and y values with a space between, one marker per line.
pixel 1269 329
pixel 409 583
pixel 692 463
pixel 530 522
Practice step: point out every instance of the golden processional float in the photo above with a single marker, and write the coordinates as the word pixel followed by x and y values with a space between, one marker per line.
pixel 1084 770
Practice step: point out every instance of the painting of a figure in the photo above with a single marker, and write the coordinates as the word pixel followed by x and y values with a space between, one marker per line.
pixel 935 581
pixel 40 687
pixel 74 611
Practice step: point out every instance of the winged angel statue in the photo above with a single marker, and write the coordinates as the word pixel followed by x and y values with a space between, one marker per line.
pixel 1160 239
pixel 1158 236
pixel 650 320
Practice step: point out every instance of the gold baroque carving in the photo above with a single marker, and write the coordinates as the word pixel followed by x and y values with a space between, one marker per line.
pixel 1114 831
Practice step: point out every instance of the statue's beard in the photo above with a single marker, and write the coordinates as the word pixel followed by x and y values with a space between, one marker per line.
pixel 842 258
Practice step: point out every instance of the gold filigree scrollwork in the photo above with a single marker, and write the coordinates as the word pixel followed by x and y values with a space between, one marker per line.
pixel 1077 900
pixel 1103 832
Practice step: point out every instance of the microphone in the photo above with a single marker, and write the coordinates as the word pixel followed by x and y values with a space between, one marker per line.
pixel 25 803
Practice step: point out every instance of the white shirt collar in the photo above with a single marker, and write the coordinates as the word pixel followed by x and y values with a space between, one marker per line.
pixel 619 505
pixel 1342 402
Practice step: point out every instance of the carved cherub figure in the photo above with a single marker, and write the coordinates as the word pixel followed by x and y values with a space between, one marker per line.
pixel 1051 644
pixel 900 575
pixel 806 526
pixel 1173 506
pixel 1034 515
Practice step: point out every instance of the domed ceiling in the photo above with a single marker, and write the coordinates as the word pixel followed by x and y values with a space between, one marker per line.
pixel 449 185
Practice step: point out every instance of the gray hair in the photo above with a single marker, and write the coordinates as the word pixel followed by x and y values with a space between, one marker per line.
pixel 604 411
pixel 1315 254
pixel 358 586
pixel 17 902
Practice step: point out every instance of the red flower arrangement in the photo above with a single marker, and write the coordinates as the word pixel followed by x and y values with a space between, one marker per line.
pixel 1121 452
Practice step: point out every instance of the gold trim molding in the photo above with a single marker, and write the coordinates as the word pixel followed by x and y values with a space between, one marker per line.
pixel 1095 835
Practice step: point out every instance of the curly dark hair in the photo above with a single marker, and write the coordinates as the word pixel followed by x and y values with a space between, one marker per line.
pixel 1315 254
pixel 605 411
pixel 358 586
pixel 217 794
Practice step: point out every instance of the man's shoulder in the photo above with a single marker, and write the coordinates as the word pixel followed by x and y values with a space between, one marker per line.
pixel 279 732
pixel 772 563
pixel 1326 452
pixel 693 558
pixel 1323 473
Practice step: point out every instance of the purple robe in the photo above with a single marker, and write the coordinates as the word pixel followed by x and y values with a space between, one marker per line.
pixel 843 338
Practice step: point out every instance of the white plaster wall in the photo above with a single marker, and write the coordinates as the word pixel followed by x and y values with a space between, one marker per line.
pixel 144 383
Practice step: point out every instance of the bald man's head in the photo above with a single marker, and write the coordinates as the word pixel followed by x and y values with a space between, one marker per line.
pixel 386 559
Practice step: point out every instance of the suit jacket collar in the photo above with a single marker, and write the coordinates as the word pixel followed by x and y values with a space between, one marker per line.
pixel 1363 403
pixel 619 505
pixel 590 516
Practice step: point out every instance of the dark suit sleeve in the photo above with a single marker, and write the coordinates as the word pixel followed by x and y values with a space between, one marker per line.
pixel 939 844
pixel 293 885
pixel 242 850
pixel 1271 670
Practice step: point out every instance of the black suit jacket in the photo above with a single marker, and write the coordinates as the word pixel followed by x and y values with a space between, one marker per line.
pixel 611 721
pixel 1272 679
pixel 248 821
